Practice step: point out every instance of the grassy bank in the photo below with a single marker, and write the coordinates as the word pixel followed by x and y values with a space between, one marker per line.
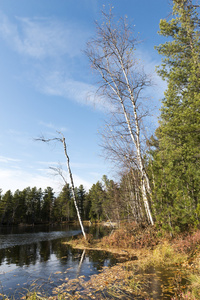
pixel 153 266
pixel 150 255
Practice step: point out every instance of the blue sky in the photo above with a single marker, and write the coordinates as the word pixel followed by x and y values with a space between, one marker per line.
pixel 47 85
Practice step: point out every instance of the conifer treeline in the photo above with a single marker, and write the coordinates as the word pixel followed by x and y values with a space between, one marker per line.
pixel 106 200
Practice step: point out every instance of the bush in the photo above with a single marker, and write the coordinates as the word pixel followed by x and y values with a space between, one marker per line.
pixel 132 236
pixel 187 243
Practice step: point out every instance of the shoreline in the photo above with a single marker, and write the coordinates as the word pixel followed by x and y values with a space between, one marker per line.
pixel 164 268
pixel 160 259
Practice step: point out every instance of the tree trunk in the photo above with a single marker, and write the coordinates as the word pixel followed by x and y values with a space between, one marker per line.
pixel 72 184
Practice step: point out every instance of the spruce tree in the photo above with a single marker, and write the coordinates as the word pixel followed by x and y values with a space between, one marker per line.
pixel 176 154
pixel 47 204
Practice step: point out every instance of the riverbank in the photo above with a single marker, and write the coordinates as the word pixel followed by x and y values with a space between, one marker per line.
pixel 151 265
pixel 155 266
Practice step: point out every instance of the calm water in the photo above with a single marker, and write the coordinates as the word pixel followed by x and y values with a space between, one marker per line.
pixel 35 258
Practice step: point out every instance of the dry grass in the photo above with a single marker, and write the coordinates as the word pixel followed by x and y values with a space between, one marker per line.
pixel 151 251
pixel 130 280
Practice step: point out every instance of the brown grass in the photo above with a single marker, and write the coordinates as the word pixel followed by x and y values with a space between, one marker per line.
pixel 144 244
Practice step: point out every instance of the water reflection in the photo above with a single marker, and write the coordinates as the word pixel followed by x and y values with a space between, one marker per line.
pixel 29 256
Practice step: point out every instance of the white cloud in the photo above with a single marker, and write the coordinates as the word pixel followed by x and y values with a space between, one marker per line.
pixel 60 84
pixel 74 165
pixel 42 37
pixel 11 179
pixel 5 159
pixel 20 179
pixel 78 181
pixel 149 64
pixel 53 126
pixel 47 163
pixel 85 166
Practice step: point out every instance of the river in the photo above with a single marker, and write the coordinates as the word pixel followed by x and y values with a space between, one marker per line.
pixel 35 258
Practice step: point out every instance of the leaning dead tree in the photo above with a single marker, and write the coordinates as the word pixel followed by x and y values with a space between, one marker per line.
pixel 62 140
pixel 121 82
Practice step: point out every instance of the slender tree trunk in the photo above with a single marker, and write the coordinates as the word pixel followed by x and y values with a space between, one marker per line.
pixel 145 186
pixel 62 140
pixel 111 54
pixel 80 263
pixel 72 184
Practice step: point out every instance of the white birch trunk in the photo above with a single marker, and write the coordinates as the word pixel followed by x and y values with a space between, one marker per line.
pixel 73 190
pixel 144 177
pixel 136 141
pixel 110 54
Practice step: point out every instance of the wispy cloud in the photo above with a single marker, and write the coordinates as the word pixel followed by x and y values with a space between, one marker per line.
pixel 11 179
pixel 149 63
pixel 42 37
pixel 5 159
pixel 19 179
pixel 47 163
pixel 85 166
pixel 53 126
pixel 75 165
pixel 60 84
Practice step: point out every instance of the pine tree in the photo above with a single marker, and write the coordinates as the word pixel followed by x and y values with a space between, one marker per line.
pixel 6 208
pixel 111 205
pixel 47 204
pixel 176 152
pixel 81 195
pixel 62 209
pixel 96 196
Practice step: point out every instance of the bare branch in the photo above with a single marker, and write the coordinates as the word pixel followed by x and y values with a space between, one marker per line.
pixel 112 55
pixel 59 171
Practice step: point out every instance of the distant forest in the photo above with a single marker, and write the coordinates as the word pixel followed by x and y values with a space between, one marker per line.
pixel 106 200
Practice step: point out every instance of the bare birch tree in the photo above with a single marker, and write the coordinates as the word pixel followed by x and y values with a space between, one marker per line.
pixel 62 140
pixel 122 81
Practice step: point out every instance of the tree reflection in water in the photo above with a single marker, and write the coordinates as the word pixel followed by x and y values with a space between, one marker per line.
pixel 45 261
